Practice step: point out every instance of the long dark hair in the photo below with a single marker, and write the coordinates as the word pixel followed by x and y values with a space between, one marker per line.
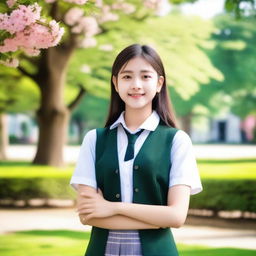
pixel 161 102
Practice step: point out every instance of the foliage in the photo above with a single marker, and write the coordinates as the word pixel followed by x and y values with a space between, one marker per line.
pixel 226 187
pixel 234 55
pixel 29 188
pixel 14 89
pixel 92 112
pixel 186 64
pixel 226 195
pixel 241 8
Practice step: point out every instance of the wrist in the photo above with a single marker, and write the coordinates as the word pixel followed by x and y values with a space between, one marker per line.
pixel 118 207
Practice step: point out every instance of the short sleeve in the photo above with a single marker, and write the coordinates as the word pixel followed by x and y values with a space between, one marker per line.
pixel 84 172
pixel 184 167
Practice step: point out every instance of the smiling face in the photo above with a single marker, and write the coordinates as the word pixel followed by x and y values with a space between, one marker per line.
pixel 137 84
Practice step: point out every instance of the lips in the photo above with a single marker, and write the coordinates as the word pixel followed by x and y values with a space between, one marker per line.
pixel 136 95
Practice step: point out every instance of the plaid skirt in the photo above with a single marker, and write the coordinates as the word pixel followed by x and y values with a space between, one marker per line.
pixel 124 243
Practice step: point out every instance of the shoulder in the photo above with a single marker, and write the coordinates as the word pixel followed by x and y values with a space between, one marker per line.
pixel 90 137
pixel 182 142
pixel 182 137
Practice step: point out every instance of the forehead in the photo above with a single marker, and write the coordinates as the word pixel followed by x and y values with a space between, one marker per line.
pixel 137 64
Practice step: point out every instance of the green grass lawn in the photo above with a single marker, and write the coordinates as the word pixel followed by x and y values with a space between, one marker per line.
pixel 73 243
pixel 228 169
pixel 232 169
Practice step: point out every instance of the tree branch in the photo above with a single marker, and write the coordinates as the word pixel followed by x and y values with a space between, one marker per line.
pixel 24 72
pixel 78 98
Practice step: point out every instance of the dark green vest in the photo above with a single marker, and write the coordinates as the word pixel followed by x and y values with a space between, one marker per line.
pixel 150 186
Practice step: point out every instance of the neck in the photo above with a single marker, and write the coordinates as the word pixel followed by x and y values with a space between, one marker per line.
pixel 135 117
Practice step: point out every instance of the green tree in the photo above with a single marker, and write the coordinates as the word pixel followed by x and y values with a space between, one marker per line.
pixel 14 88
pixel 241 8
pixel 187 65
pixel 233 54
pixel 49 70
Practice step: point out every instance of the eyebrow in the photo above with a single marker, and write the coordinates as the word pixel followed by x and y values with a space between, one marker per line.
pixel 130 71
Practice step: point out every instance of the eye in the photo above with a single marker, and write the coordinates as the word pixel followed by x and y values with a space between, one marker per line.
pixel 126 77
pixel 146 77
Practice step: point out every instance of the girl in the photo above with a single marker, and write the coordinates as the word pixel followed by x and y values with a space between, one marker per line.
pixel 134 176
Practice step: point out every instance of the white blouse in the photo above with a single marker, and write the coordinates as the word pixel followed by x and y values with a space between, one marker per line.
pixel 183 169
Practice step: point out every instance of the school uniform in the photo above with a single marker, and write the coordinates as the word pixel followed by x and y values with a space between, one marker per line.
pixel 163 157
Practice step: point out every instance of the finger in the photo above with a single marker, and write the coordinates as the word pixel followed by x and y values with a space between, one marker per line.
pixel 84 206
pixel 85 211
pixel 86 195
pixel 89 216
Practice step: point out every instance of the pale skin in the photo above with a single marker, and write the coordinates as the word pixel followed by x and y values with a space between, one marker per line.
pixel 137 83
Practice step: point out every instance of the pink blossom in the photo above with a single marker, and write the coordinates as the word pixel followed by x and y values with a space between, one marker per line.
pixel 107 15
pixel 152 4
pixel 88 42
pixel 99 3
pixel 73 15
pixel 125 7
pixel 50 1
pixel 106 47
pixel 11 3
pixel 34 38
pixel 87 26
pixel 80 2
pixel 14 63
pixel 85 69
pixel 20 18
pixel 161 7
pixel 31 51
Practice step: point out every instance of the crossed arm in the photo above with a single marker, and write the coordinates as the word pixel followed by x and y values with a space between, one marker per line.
pixel 94 210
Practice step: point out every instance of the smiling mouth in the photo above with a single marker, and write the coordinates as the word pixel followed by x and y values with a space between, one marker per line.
pixel 136 94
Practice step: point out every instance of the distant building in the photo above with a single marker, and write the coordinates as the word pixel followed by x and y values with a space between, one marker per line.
pixel 225 129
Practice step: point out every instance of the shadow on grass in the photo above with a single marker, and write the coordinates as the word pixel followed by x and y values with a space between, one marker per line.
pixel 199 251
pixel 226 161
pixel 15 163
pixel 56 233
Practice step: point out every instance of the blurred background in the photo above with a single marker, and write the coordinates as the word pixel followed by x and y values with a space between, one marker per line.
pixel 48 103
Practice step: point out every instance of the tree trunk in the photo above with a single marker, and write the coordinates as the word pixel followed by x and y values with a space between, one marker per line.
pixel 3 136
pixel 81 127
pixel 186 123
pixel 53 116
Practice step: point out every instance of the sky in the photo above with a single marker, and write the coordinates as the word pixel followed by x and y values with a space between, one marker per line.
pixel 204 8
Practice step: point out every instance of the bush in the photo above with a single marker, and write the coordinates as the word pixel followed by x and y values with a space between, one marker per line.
pixel 38 187
pixel 217 195
pixel 228 184
pixel 226 195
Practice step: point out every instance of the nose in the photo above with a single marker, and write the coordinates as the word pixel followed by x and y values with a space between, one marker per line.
pixel 136 85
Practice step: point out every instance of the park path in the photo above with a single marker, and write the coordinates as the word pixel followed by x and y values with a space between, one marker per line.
pixel 208 151
pixel 236 236
pixel 66 218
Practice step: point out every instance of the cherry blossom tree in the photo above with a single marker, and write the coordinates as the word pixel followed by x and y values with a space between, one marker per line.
pixel 24 29
pixel 28 31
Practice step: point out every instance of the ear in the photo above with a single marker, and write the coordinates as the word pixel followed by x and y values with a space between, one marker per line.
pixel 160 83
pixel 114 80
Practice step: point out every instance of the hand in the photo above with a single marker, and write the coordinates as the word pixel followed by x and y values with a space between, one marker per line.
pixel 93 205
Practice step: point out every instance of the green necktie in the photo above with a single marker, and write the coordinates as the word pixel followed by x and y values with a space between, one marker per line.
pixel 131 141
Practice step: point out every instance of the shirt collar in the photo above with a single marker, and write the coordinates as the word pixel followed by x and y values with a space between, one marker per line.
pixel 149 124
